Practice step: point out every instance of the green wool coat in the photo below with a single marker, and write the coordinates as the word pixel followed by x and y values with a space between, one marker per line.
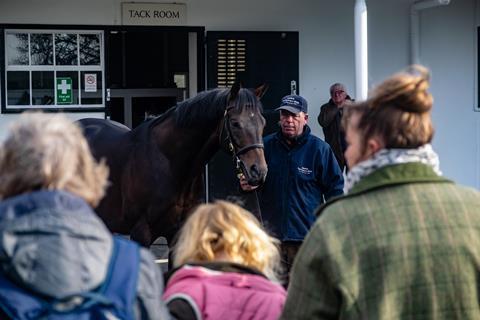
pixel 403 244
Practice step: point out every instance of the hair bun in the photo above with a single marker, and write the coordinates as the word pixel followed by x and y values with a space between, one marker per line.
pixel 407 91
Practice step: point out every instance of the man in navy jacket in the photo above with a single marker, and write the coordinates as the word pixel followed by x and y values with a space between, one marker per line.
pixel 302 174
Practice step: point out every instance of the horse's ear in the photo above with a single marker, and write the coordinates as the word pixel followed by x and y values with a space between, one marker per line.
pixel 234 90
pixel 260 91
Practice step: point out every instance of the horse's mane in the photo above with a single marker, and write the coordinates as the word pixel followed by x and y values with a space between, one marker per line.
pixel 202 108
pixel 210 106
pixel 207 106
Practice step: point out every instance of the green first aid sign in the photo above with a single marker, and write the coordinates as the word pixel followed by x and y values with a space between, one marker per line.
pixel 64 91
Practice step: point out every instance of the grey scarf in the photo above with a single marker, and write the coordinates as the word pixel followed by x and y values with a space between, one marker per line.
pixel 386 157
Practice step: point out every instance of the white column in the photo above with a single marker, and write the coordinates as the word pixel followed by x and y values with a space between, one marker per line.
pixel 361 50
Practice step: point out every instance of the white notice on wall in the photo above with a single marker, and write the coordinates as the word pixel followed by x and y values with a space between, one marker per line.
pixel 90 82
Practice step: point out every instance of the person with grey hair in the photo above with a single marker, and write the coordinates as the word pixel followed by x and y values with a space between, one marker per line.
pixel 57 258
pixel 330 119
pixel 302 174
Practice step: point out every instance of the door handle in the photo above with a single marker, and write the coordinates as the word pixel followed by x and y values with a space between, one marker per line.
pixel 293 87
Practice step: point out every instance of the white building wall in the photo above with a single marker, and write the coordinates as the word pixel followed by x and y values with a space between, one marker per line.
pixel 448 47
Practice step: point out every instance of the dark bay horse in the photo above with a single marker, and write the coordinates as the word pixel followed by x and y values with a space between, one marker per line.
pixel 156 169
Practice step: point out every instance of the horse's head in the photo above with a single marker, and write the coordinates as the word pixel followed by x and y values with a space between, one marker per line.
pixel 243 126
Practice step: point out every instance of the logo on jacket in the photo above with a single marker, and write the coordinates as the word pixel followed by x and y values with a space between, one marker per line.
pixel 304 170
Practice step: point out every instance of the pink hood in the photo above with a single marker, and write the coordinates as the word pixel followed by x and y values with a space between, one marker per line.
pixel 226 295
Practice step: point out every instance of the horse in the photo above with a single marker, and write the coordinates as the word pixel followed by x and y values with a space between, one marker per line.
pixel 156 169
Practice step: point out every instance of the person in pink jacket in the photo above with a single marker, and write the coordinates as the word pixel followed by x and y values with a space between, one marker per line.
pixel 226 267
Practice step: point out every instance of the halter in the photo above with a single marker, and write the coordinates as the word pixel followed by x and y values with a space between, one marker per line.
pixel 229 144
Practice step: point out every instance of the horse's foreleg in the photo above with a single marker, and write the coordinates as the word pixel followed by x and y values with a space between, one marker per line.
pixel 141 233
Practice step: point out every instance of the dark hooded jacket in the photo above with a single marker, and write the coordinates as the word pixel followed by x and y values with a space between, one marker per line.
pixel 54 245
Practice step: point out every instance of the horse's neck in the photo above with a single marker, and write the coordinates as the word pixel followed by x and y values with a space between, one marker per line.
pixel 205 147
pixel 209 149
pixel 189 147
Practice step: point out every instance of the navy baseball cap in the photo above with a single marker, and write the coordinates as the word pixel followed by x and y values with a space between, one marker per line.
pixel 293 104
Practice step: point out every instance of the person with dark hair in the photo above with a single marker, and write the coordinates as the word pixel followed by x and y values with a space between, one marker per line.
pixel 57 258
pixel 330 119
pixel 302 174
pixel 403 242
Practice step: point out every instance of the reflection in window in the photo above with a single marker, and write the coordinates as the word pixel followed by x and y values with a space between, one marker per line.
pixel 41 45
pixel 34 60
pixel 66 49
pixel 42 88
pixel 17 48
pixel 74 76
pixel 18 88
pixel 90 49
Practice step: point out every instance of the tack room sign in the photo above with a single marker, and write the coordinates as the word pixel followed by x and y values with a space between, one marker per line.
pixel 154 14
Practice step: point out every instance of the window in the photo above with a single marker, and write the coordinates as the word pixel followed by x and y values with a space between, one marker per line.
pixel 52 69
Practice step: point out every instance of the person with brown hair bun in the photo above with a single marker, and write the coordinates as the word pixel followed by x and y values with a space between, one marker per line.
pixel 403 242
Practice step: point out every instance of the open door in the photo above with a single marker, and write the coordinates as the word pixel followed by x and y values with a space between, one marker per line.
pixel 151 69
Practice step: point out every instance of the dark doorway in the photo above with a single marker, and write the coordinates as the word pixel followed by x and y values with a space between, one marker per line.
pixel 151 69
pixel 254 58
pixel 144 108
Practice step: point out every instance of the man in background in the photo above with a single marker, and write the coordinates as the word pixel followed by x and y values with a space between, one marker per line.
pixel 330 119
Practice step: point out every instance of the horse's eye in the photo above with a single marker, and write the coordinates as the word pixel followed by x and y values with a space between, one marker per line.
pixel 236 125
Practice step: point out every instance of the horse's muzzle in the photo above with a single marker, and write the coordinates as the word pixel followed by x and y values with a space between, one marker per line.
pixel 256 175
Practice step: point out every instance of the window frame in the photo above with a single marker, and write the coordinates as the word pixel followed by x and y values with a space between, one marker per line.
pixel 78 68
